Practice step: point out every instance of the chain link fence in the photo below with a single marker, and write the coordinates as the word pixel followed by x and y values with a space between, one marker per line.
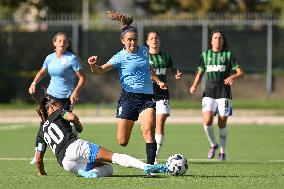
pixel 258 45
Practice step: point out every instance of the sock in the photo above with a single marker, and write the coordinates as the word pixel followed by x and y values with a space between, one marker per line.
pixel 159 141
pixel 209 130
pixel 151 149
pixel 127 161
pixel 103 171
pixel 223 139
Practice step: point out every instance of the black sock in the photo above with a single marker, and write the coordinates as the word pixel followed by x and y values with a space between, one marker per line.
pixel 151 149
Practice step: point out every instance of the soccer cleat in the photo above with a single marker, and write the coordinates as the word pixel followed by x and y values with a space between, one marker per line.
pixel 211 153
pixel 157 168
pixel 87 174
pixel 222 157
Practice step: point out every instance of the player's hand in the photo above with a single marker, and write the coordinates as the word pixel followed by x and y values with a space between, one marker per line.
pixel 92 60
pixel 162 85
pixel 192 89
pixel 229 81
pixel 32 89
pixel 74 97
pixel 178 75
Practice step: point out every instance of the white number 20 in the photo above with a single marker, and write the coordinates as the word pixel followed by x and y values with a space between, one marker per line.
pixel 50 136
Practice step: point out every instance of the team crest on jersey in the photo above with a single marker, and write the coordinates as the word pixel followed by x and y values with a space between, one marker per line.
pixel 209 59
pixel 63 61
pixel 222 59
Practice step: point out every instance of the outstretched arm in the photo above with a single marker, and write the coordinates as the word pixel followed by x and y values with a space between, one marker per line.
pixel 197 80
pixel 40 74
pixel 39 163
pixel 98 69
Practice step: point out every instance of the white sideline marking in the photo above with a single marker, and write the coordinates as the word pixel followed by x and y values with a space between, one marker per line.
pixel 16 127
pixel 21 159
pixel 163 160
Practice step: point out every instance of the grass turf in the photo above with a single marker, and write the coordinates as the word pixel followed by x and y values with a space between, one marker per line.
pixel 255 159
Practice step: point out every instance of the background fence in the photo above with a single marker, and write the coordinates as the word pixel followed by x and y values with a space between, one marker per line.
pixel 258 45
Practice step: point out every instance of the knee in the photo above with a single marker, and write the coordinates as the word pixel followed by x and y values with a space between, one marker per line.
pixel 122 142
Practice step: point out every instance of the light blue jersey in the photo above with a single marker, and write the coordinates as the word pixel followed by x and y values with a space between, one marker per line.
pixel 134 70
pixel 62 73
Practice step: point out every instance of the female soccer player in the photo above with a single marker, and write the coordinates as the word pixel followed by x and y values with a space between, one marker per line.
pixel 76 155
pixel 132 64
pixel 220 68
pixel 161 62
pixel 64 69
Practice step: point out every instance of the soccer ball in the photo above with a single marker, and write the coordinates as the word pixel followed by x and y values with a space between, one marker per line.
pixel 177 164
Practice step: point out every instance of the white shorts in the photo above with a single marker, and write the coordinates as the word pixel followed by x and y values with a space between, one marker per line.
pixel 80 155
pixel 163 107
pixel 220 106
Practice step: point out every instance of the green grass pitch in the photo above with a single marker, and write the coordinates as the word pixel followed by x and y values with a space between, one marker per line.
pixel 255 159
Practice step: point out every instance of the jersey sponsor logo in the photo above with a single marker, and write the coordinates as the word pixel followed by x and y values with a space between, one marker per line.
pixel 215 68
pixel 161 71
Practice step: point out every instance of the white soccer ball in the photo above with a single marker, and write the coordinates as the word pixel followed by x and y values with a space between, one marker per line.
pixel 177 164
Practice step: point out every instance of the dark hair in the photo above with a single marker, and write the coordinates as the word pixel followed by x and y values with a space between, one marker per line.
pixel 69 48
pixel 225 45
pixel 148 33
pixel 125 22
pixel 153 31
pixel 44 104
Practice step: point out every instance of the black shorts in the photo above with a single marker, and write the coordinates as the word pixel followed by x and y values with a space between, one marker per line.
pixel 130 105
pixel 66 103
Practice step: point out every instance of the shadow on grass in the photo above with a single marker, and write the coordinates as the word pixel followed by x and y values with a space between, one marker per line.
pixel 238 162
pixel 140 176
pixel 230 176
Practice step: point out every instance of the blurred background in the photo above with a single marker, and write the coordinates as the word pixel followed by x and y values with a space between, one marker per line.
pixel 254 30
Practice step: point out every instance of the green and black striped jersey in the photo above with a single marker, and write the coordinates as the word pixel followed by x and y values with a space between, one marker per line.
pixel 161 62
pixel 217 66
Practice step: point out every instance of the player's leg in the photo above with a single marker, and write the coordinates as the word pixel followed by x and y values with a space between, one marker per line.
pixel 128 161
pixel 225 110
pixel 223 135
pixel 162 112
pixel 124 128
pixel 208 108
pixel 148 119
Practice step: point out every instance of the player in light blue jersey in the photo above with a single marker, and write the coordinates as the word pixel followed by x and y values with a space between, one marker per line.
pixel 132 64
pixel 64 69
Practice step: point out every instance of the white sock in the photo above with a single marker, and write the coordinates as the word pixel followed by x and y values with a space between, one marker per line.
pixel 159 140
pixel 103 171
pixel 127 161
pixel 223 139
pixel 209 130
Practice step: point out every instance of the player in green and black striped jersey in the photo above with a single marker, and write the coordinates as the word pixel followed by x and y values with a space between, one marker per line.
pixel 162 63
pixel 220 68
